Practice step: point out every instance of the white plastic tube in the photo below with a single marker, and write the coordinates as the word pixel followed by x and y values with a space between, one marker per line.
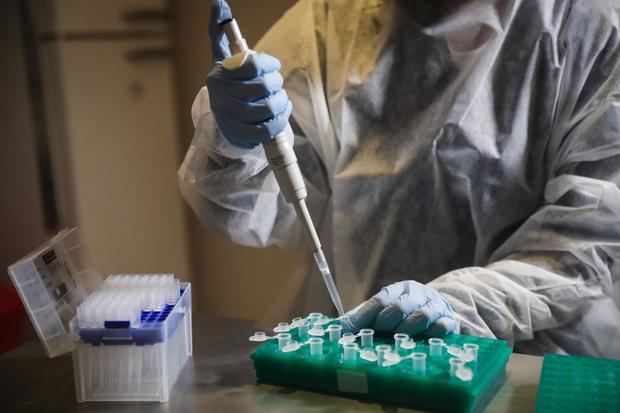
pixel 349 352
pixel 471 350
pixel 399 339
pixel 334 332
pixel 283 340
pixel 419 362
pixel 366 336
pixel 302 329
pixel 316 346
pixel 455 364
pixel 435 346
pixel 382 350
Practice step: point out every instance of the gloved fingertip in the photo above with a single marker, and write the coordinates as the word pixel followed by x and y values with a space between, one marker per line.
pixel 441 328
pixel 418 321
pixel 277 103
pixel 277 124
pixel 220 12
pixel 362 316
pixel 266 63
pixel 387 295
pixel 348 326
pixel 388 318
pixel 286 113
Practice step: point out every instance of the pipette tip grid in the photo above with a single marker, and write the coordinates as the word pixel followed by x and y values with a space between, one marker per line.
pixel 133 337
pixel 135 304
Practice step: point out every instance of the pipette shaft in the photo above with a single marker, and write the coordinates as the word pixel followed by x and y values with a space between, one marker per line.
pixel 283 162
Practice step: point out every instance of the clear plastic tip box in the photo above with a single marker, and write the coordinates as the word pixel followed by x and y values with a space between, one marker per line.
pixel 130 335
pixel 132 360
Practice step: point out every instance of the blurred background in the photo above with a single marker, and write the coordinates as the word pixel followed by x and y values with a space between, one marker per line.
pixel 96 98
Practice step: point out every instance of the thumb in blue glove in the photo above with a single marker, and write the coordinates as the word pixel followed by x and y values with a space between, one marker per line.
pixel 220 12
pixel 404 307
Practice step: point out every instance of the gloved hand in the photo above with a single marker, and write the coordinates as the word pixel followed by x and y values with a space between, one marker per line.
pixel 404 307
pixel 249 104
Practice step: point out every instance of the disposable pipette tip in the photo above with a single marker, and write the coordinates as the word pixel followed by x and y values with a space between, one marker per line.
pixel 321 262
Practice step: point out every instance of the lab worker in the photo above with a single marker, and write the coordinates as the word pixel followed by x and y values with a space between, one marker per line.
pixel 462 160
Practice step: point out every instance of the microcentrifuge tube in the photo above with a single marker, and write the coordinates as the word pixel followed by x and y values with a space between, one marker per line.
pixel 281 327
pixel 471 351
pixel 455 364
pixel 283 340
pixel 259 336
pixel 409 344
pixel 399 339
pixel 347 338
pixel 349 352
pixel 366 335
pixel 316 331
pixel 382 350
pixel 334 331
pixel 314 317
pixel 302 329
pixel 419 362
pixel 322 321
pixel 316 346
pixel 435 346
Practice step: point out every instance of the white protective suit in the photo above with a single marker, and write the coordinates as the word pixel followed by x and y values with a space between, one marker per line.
pixel 478 152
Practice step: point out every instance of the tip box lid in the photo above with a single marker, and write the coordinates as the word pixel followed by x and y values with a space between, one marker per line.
pixel 52 281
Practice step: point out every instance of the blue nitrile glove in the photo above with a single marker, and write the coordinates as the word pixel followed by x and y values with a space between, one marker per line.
pixel 220 12
pixel 404 307
pixel 249 104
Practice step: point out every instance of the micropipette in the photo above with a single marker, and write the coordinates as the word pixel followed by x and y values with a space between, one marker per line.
pixel 283 162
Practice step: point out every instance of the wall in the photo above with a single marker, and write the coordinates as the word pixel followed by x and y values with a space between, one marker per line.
pixel 110 123
pixel 229 280
pixel 21 215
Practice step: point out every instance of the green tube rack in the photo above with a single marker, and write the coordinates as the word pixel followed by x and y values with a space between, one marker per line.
pixel 579 384
pixel 434 390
